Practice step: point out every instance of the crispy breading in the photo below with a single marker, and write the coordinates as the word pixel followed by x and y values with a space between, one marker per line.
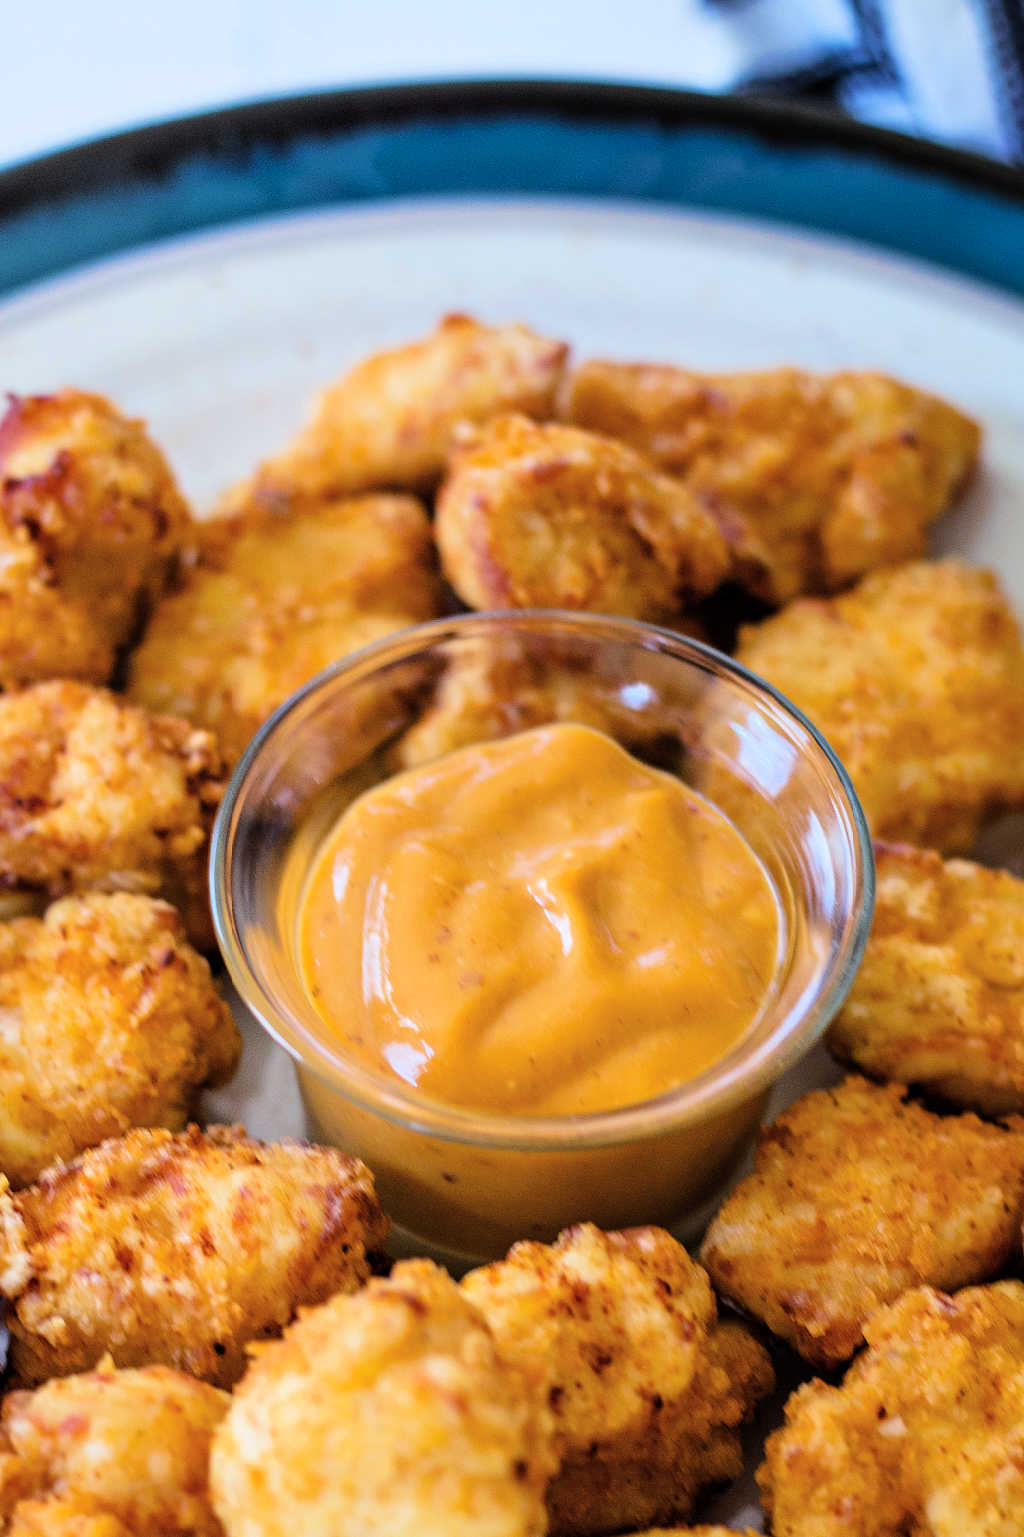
pixel 815 480
pixel 65 1518
pixel 646 1389
pixel 939 997
pixel 272 599
pixel 108 1019
pixel 90 517
pixel 547 516
pixel 688 1447
pixel 916 678
pixel 925 1437
pixel 386 1414
pixel 495 685
pixel 96 793
pixel 179 1249
pixel 110 1451
pixel 388 422
pixel 856 1195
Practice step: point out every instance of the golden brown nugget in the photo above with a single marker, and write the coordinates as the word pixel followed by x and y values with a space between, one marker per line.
pixel 856 1195
pixel 179 1249
pixel 690 1447
pixel 939 997
pixel 495 685
pixel 547 516
pixel 389 422
pixel 646 1389
pixel 110 1451
pixel 925 1437
pixel 90 517
pixel 916 677
pixel 815 480
pixel 385 1414
pixel 108 1019
pixel 96 793
pixel 273 599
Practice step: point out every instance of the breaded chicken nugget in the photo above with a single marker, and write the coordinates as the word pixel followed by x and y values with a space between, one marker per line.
pixel 108 1019
pixel 546 516
pixel 130 1448
pixel 498 684
pixel 814 480
pixel 916 677
pixel 90 516
pixel 688 1447
pixel 179 1250
pixel 388 423
pixel 646 1389
pixel 856 1195
pixel 925 1437
pixel 273 599
pixel 939 997
pixel 386 1414
pixel 97 793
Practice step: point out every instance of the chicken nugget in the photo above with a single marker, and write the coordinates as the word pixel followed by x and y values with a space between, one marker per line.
pixel 388 423
pixel 110 1451
pixel 178 1249
pixel 916 677
pixel 95 793
pixel 690 1446
pixel 90 517
pixel 815 480
pixel 925 1436
pixel 496 685
pixel 855 1196
pixel 547 516
pixel 273 599
pixel 108 1019
pixel 386 1414
pixel 646 1388
pixel 939 997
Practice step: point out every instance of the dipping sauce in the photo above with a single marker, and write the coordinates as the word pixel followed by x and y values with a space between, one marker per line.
pixel 539 925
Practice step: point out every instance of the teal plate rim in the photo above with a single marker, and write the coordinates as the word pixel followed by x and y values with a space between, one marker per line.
pixel 727 154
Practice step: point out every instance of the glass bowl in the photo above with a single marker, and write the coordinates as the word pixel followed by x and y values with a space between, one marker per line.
pixel 470 1182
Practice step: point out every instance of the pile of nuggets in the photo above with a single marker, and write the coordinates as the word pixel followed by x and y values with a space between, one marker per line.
pixel 204 1339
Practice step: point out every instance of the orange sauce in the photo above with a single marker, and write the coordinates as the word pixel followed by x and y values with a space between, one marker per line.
pixel 540 925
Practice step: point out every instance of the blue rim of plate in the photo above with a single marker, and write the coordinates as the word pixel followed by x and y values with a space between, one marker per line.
pixel 728 154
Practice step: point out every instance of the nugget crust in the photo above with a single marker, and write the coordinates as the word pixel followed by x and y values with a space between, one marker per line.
pixel 814 480
pixel 939 997
pixel 390 1414
pixel 496 685
pixel 272 599
pixel 547 516
pixel 857 1195
pixel 90 516
pixel 179 1250
pixel 95 792
pixel 108 1019
pixel 388 423
pixel 110 1451
pixel 646 1389
pixel 924 1437
pixel 916 677
pixel 690 1446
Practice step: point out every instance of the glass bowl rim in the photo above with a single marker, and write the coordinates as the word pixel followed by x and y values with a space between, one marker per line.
pixel 731 1080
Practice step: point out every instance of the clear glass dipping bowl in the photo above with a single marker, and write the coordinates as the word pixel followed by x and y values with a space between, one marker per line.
pixel 469 1182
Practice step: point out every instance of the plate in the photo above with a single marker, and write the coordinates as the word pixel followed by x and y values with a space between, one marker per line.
pixel 211 274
